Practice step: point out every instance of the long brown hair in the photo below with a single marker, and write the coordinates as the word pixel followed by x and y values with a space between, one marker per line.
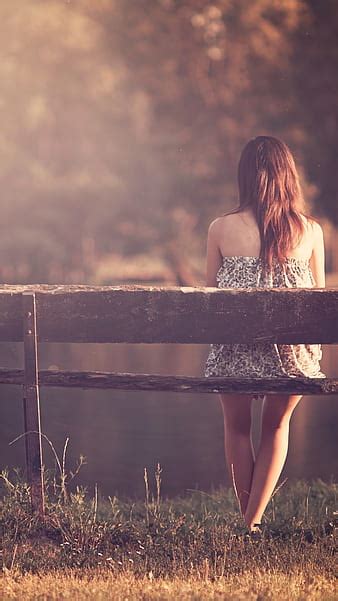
pixel 269 184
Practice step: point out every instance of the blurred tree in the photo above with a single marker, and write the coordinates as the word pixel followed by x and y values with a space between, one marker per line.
pixel 115 118
pixel 315 72
pixel 216 74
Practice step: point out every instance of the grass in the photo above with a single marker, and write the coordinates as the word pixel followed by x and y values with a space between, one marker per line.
pixel 195 546
pixel 101 585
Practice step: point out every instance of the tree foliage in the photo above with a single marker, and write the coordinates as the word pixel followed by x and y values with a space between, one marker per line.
pixel 115 117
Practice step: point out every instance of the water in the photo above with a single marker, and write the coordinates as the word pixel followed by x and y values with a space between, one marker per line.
pixel 121 433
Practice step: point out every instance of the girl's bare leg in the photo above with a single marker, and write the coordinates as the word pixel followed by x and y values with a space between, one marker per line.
pixel 271 454
pixel 239 452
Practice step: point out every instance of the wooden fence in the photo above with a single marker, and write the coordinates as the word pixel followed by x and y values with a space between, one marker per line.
pixel 138 314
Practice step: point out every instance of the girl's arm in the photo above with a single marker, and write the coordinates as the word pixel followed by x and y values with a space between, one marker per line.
pixel 214 256
pixel 317 260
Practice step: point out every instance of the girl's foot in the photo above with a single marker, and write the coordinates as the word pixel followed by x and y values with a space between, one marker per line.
pixel 256 531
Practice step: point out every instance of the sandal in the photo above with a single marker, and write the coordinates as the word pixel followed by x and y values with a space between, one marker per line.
pixel 256 532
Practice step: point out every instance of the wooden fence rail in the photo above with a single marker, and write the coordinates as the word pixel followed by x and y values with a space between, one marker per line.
pixel 138 314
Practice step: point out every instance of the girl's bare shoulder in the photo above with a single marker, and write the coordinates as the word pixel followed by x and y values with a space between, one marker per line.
pixel 221 226
pixel 223 221
pixel 315 235
pixel 215 225
pixel 313 225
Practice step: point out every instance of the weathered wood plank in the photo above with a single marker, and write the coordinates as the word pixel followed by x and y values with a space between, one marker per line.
pixel 130 381
pixel 137 314
pixel 31 403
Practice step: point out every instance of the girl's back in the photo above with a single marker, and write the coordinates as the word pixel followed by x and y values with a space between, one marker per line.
pixel 243 269
pixel 239 232
pixel 237 235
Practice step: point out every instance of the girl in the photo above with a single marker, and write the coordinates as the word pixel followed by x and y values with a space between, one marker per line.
pixel 268 241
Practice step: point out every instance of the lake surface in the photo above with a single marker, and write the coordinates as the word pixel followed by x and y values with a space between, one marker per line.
pixel 121 433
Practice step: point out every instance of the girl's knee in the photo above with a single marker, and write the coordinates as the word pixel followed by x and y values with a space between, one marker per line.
pixel 237 413
pixel 278 409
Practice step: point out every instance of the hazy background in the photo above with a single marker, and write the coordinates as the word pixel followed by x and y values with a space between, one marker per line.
pixel 122 122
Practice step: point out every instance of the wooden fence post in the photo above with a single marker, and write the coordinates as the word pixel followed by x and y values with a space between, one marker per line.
pixel 31 403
